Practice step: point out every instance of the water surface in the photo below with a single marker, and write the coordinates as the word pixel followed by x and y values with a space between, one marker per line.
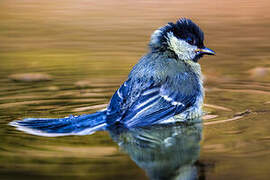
pixel 88 47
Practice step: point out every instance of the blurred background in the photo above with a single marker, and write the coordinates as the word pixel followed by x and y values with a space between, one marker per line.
pixel 67 57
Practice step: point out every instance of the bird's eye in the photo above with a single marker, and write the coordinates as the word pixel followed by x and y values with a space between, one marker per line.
pixel 190 40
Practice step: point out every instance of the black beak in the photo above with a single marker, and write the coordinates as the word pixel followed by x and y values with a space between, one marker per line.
pixel 205 51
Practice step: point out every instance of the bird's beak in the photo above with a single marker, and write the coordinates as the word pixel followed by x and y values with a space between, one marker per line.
pixel 205 51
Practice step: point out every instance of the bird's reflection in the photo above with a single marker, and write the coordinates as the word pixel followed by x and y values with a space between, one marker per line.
pixel 163 151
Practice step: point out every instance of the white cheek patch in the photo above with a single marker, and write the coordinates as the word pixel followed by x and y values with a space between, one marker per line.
pixel 183 50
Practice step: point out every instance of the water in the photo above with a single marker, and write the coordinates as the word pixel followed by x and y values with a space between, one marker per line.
pixel 88 48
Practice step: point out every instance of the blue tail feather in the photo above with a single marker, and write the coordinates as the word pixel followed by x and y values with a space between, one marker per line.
pixel 72 125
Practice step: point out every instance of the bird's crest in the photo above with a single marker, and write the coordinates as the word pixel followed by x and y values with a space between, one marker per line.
pixel 182 29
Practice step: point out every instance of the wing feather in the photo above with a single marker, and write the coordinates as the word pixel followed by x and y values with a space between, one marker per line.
pixel 156 102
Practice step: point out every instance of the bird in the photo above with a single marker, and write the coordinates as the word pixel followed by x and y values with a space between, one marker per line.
pixel 165 86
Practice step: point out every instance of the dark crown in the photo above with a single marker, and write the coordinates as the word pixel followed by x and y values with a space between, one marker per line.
pixel 184 29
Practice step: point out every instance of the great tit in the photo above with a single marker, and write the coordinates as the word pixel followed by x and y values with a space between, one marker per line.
pixel 165 86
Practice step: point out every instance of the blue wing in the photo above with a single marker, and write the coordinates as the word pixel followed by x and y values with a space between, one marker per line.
pixel 146 103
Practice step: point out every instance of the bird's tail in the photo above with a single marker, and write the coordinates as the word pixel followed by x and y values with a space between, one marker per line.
pixel 72 125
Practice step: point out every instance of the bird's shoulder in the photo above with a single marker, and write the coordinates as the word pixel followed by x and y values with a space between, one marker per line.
pixel 158 67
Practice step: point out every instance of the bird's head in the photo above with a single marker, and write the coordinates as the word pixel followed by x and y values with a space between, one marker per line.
pixel 183 39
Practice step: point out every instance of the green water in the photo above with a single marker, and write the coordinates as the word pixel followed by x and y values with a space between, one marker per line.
pixel 89 47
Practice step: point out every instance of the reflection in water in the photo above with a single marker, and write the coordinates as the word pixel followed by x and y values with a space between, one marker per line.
pixel 163 151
